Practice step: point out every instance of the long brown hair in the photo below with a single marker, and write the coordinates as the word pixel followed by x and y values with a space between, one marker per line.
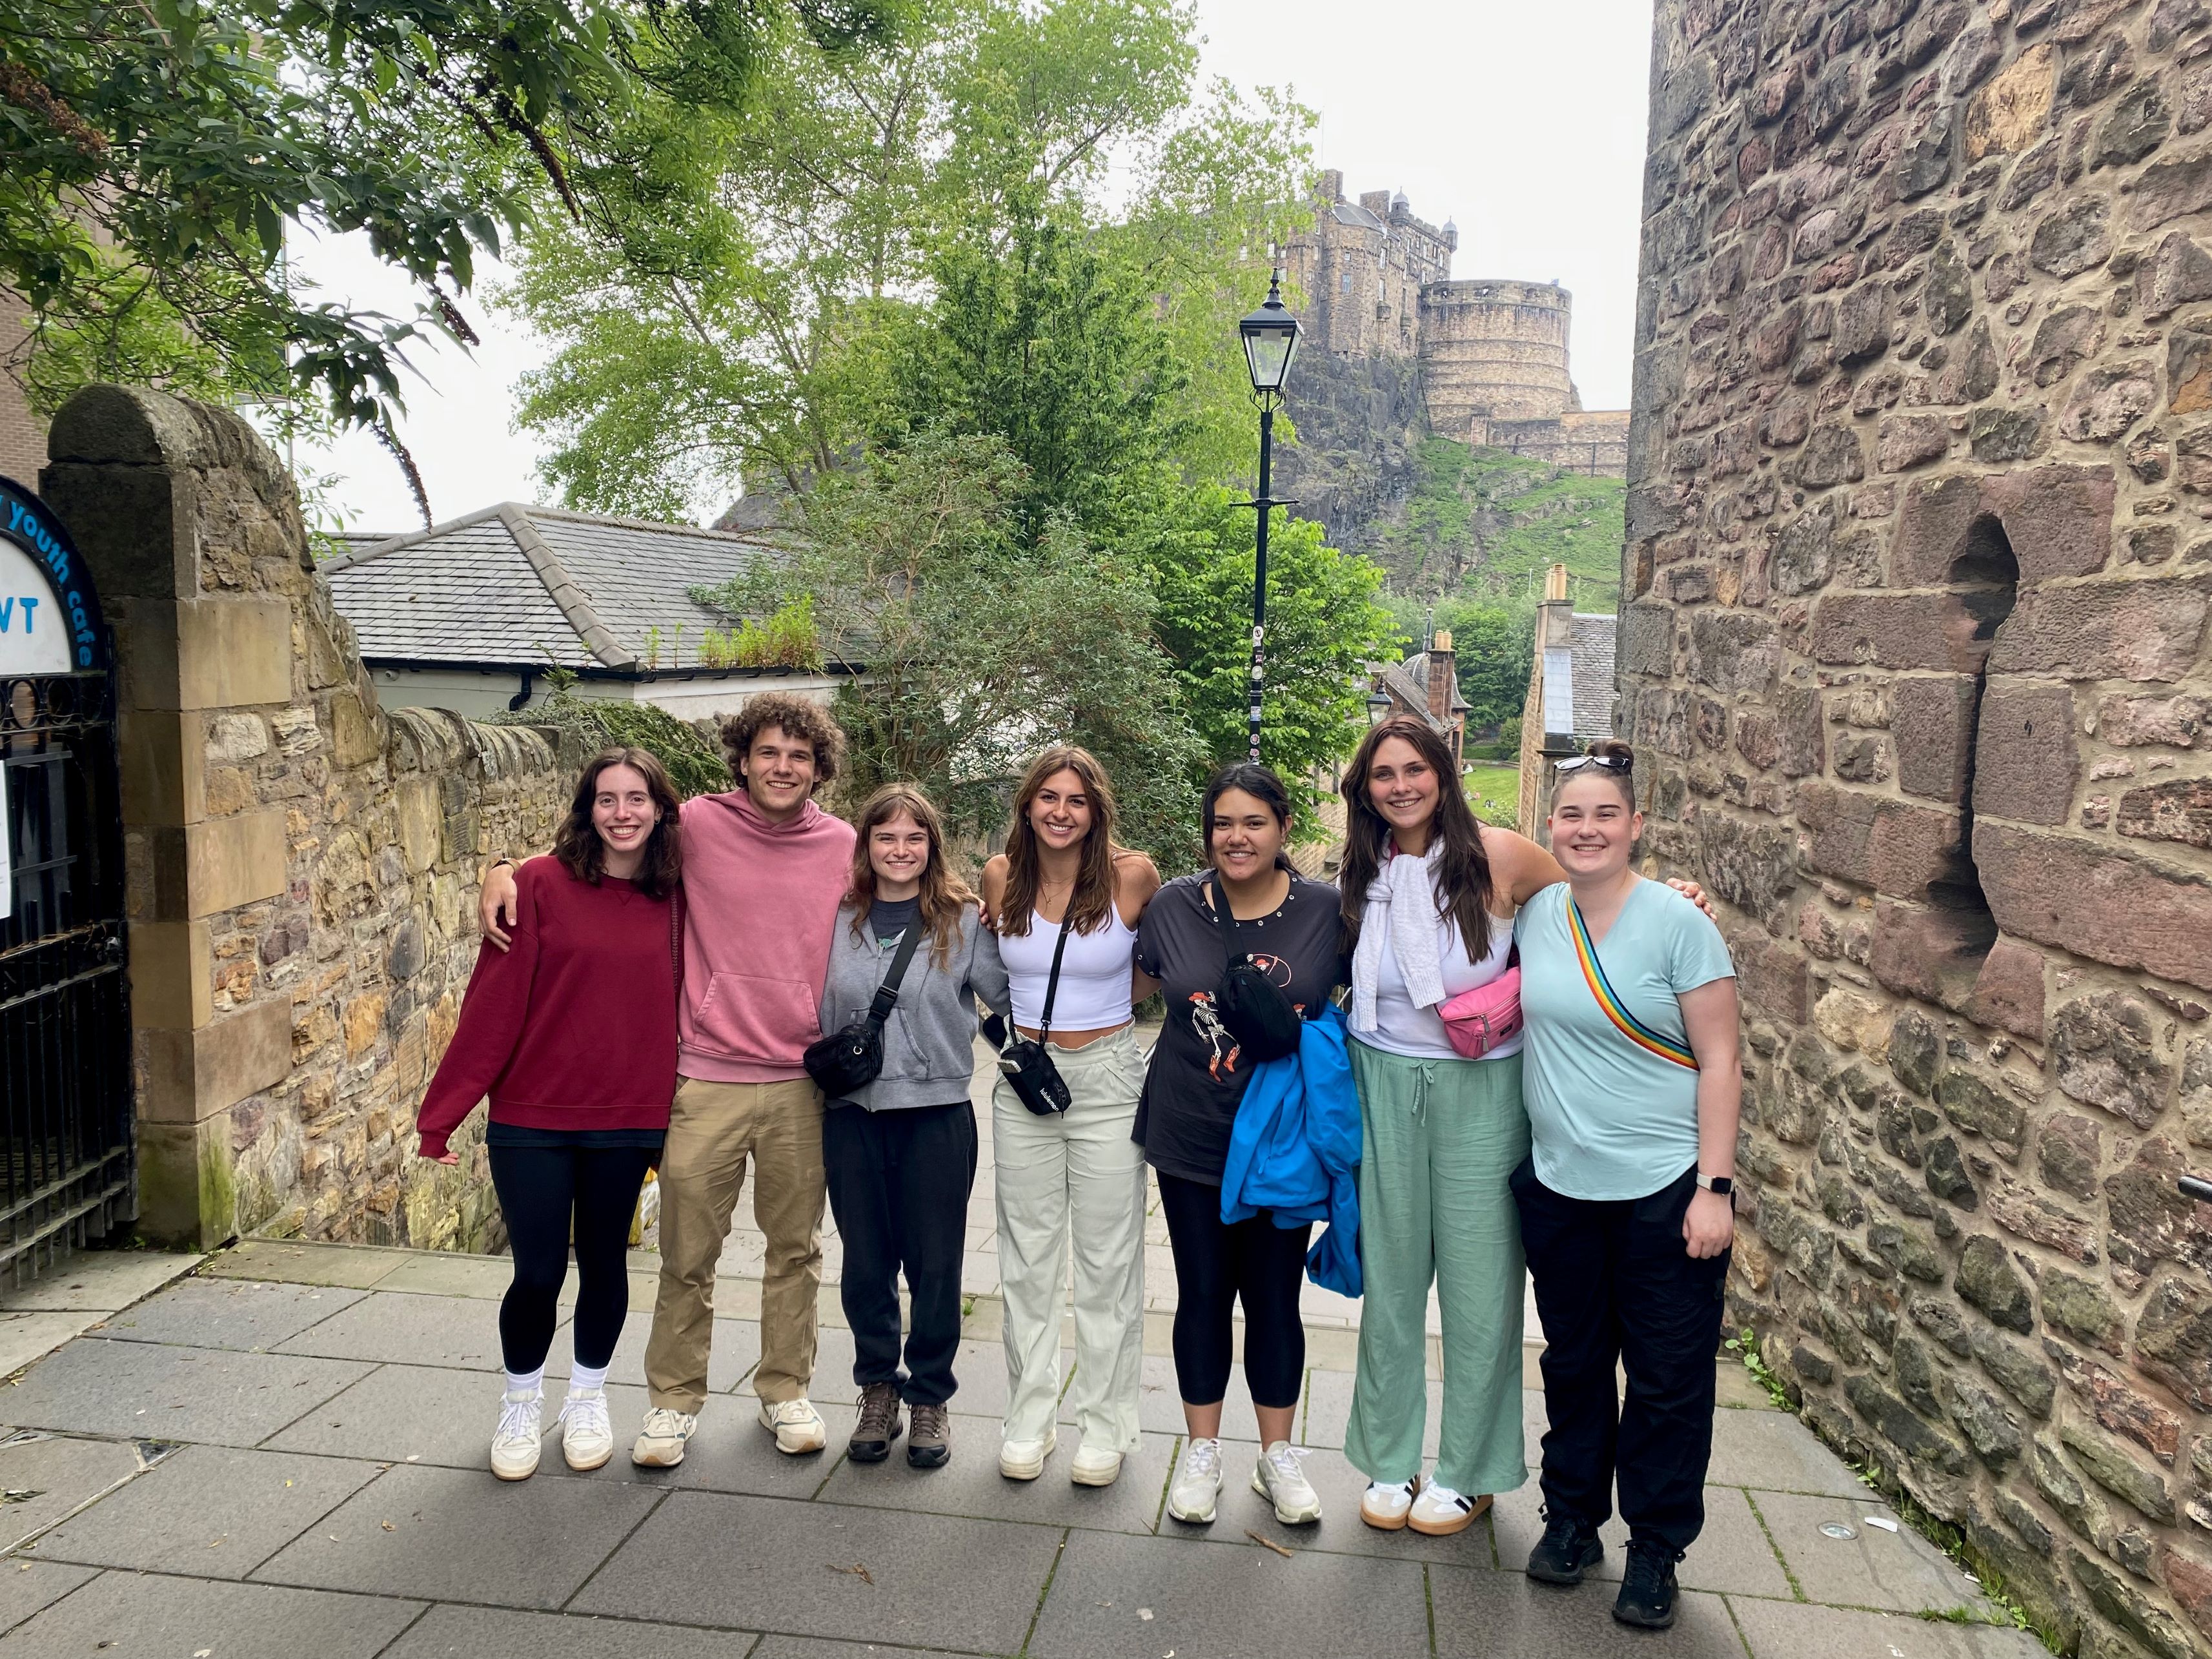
pixel 944 897
pixel 1463 874
pixel 1089 905
pixel 583 855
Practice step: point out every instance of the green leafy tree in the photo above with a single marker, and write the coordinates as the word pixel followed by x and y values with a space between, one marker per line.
pixel 982 643
pixel 152 153
pixel 1324 628
pixel 1494 646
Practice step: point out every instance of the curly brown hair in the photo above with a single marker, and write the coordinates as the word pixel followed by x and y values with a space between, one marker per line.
pixel 796 717
pixel 583 855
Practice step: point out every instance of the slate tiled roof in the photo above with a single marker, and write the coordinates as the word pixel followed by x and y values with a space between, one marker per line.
pixel 1591 643
pixel 1416 669
pixel 522 585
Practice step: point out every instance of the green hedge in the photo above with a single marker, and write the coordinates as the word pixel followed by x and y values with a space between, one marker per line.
pixel 695 765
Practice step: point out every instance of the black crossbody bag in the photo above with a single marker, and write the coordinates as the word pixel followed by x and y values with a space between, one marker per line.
pixel 852 1057
pixel 1035 1081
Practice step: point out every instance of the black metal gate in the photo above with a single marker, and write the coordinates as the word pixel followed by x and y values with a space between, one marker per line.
pixel 65 1061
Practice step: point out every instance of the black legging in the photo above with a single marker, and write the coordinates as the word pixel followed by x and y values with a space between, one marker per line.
pixel 1217 1266
pixel 541 1190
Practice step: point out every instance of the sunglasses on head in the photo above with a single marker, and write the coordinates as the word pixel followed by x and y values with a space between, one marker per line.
pixel 1610 762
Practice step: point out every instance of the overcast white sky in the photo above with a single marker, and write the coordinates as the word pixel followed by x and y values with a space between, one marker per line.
pixel 1523 123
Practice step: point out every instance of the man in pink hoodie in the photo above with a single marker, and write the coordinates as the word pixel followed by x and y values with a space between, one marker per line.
pixel 763 870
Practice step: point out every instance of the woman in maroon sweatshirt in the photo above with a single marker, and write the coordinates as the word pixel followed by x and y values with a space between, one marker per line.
pixel 572 1033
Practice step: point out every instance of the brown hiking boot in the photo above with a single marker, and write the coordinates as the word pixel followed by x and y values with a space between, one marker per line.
pixel 879 1425
pixel 931 1443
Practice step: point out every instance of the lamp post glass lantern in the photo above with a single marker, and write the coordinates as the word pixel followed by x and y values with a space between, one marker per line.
pixel 1271 340
pixel 1378 706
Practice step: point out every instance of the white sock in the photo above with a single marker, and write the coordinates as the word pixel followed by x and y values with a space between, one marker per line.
pixel 583 1379
pixel 521 1385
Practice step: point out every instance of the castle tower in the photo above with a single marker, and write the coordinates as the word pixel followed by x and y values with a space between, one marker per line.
pixel 1494 351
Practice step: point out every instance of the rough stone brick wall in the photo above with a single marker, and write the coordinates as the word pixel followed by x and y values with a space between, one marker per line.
pixel 1917 666
pixel 1494 350
pixel 303 867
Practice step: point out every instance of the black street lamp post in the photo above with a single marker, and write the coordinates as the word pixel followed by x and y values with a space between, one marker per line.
pixel 1271 339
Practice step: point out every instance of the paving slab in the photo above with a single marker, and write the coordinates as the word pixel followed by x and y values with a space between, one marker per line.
pixel 99 1281
pixel 1117 1597
pixel 729 1363
pixel 1328 1409
pixel 293 1261
pixel 46 1476
pixel 971 1484
pixel 146 1391
pixel 247 1313
pixel 480 1633
pixel 1731 1553
pixel 931 1580
pixel 210 1512
pixel 732 1453
pixel 1159 1401
pixel 27 1337
pixel 451 1272
pixel 1507 1613
pixel 833 1365
pixel 419 1330
pixel 1782 1629
pixel 429 1414
pixel 1877 1568
pixel 1776 1452
pixel 461 1535
pixel 806 1647
pixel 1339 1530
pixel 127 1615
pixel 27 1586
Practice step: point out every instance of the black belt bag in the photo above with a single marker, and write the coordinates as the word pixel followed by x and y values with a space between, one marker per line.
pixel 852 1058
pixel 1258 1013
pixel 1026 1063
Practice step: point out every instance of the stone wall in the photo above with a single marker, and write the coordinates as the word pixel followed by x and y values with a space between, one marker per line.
pixel 1918 664
pixel 1494 350
pixel 301 867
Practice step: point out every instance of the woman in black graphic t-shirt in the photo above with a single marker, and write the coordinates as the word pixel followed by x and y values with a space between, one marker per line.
pixel 1290 926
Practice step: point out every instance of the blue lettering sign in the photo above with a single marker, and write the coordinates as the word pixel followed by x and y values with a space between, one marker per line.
pixel 48 544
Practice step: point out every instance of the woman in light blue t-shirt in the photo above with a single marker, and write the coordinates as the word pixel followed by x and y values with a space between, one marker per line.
pixel 1630 1078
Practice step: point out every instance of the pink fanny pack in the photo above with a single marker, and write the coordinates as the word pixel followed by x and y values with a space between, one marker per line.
pixel 1489 1015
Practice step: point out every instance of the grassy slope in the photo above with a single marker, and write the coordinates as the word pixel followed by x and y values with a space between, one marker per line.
pixel 1483 524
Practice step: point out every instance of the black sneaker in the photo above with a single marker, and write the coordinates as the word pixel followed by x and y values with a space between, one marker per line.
pixel 1569 1549
pixel 879 1424
pixel 1647 1586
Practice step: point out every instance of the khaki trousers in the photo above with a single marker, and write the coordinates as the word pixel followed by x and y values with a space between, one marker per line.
pixel 712 1127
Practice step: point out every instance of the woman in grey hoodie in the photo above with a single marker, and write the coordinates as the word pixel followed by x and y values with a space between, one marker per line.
pixel 900 1152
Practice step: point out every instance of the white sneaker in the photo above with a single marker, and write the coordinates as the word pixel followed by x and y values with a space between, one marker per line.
pixel 1197 1483
pixel 660 1444
pixel 1095 1468
pixel 1439 1511
pixel 1384 1505
pixel 798 1427
pixel 1278 1478
pixel 1025 1459
pixel 514 1443
pixel 588 1433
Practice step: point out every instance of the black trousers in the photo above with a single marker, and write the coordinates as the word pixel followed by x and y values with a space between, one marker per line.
pixel 1614 1283
pixel 1217 1265
pixel 546 1194
pixel 898 1184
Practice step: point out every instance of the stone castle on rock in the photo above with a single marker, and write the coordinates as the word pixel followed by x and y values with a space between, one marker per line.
pixel 1492 356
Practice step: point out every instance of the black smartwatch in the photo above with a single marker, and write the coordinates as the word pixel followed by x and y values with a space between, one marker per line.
pixel 1722 1184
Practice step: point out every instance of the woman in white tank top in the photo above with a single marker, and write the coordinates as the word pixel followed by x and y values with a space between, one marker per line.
pixel 1076 1173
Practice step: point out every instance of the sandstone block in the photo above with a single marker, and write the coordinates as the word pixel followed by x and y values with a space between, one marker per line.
pixel 1915 1049
pixel 1945 632
pixel 1831 455
pixel 2148 1220
pixel 1934 529
pixel 2169 189
pixel 1647 641
pixel 1905 441
pixel 2108 905
pixel 1772 979
pixel 2189 383
pixel 2058 519
pixel 1895 847
pixel 2179 810
pixel 1929 951
pixel 1733 651
pixel 2129 722
pixel 2009 112
pixel 2106 401
pixel 2118 1407
pixel 2008 990
pixel 2025 759
pixel 2135 630
pixel 192 1074
pixel 1933 721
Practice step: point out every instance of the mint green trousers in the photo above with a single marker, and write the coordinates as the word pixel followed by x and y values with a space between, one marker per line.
pixel 1440 1137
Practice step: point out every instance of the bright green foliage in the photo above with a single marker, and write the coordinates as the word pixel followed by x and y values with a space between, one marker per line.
pixel 1494 646
pixel 1324 627
pixel 788 639
pixel 982 643
pixel 151 154
pixel 751 296
pixel 695 766
pixel 1485 523
pixel 1494 793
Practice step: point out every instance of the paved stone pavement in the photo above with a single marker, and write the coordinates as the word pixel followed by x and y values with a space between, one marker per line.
pixel 283 1455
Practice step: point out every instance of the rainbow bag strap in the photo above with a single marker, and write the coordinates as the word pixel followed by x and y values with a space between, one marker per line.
pixel 1615 1010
